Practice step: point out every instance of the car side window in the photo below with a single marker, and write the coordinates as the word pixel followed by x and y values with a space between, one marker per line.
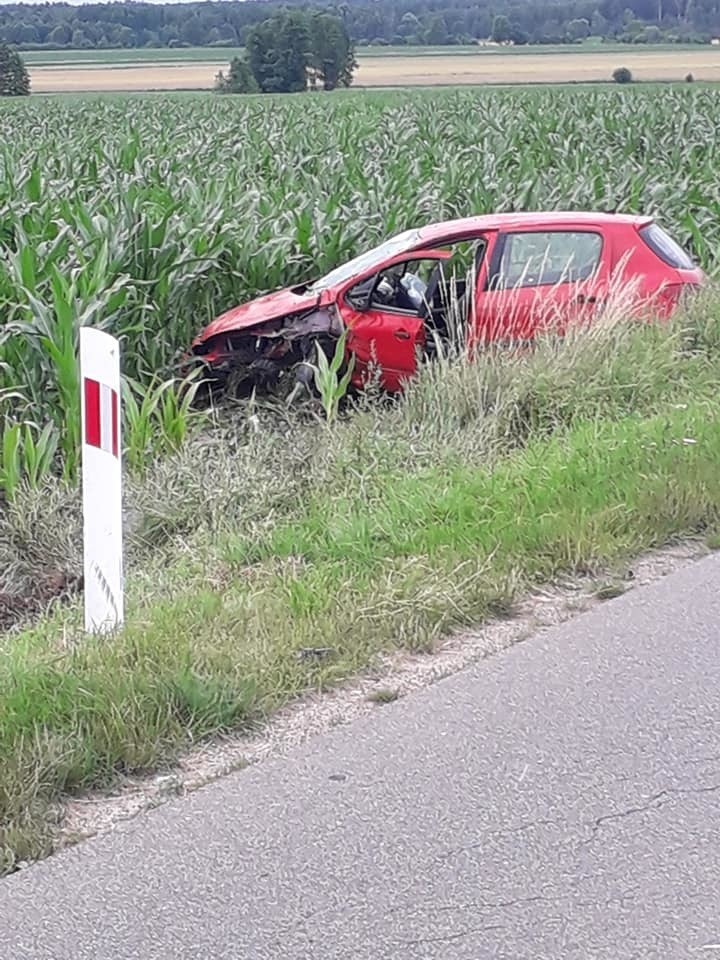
pixel 536 259
pixel 401 287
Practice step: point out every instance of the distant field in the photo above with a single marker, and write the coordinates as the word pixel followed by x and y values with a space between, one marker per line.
pixel 215 54
pixel 140 55
pixel 562 67
pixel 196 68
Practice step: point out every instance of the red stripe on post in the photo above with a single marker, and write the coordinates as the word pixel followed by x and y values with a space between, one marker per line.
pixel 115 424
pixel 92 412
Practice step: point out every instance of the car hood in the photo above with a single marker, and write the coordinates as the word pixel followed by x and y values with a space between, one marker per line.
pixel 282 303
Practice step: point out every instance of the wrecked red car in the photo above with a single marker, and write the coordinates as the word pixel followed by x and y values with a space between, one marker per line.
pixel 500 278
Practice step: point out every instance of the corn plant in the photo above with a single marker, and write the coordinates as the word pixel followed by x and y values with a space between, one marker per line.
pixel 157 419
pixel 26 454
pixel 148 217
pixel 331 383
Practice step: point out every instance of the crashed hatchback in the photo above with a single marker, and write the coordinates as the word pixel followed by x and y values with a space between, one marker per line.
pixel 493 279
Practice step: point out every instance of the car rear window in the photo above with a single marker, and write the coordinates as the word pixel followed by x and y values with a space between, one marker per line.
pixel 664 246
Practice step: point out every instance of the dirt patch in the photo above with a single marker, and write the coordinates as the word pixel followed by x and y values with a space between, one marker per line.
pixel 393 677
pixel 17 609
pixel 399 70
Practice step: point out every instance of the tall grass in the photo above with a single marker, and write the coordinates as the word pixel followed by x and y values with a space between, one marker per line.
pixel 380 531
pixel 147 217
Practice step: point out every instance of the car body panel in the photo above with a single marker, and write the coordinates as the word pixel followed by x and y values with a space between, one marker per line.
pixel 281 303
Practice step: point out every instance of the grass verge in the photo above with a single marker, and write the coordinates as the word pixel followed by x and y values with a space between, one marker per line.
pixel 275 556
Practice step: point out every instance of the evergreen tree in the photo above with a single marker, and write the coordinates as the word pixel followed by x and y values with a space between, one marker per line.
pixel 14 79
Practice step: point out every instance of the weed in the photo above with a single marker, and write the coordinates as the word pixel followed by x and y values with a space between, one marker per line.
pixel 383 695
pixel 609 591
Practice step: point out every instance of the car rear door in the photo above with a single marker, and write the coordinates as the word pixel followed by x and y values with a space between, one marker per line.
pixel 541 280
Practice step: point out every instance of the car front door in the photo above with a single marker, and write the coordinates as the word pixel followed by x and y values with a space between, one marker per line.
pixel 385 319
pixel 540 281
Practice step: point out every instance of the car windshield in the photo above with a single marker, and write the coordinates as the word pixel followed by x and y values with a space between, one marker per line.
pixel 366 261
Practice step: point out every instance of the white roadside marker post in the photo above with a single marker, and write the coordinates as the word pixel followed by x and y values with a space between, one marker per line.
pixel 101 480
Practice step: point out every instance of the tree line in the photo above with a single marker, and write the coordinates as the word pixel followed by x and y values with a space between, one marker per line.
pixel 423 22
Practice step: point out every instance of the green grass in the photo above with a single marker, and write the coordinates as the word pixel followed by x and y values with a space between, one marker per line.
pixel 551 50
pixel 378 532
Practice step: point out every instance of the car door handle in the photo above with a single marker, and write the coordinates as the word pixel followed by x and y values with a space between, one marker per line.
pixel 401 335
pixel 581 298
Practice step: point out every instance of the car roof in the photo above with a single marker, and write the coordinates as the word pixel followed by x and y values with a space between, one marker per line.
pixel 514 221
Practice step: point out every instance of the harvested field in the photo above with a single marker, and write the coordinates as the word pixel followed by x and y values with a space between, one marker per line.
pixel 131 79
pixel 399 70
pixel 536 68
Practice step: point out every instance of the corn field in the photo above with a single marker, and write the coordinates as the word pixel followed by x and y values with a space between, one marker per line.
pixel 149 216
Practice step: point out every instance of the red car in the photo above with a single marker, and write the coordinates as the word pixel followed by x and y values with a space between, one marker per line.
pixel 498 278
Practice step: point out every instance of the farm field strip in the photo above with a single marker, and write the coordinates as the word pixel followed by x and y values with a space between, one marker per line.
pixel 209 54
pixel 432 69
pixel 537 68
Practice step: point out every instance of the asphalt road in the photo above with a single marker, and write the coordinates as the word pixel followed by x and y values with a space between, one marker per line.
pixel 559 801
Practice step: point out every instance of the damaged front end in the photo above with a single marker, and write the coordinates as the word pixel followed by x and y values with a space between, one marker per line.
pixel 274 356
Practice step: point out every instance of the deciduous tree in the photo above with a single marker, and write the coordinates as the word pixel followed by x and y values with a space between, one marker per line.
pixel 500 29
pixel 239 78
pixel 332 52
pixel 295 47
pixel 279 52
